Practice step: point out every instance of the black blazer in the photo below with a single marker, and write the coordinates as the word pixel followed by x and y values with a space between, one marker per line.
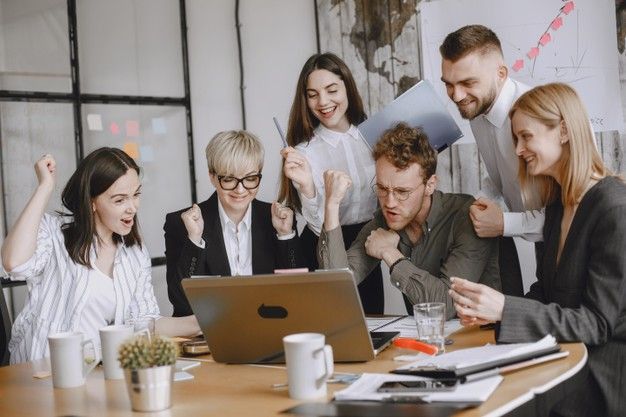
pixel 185 259
pixel 583 297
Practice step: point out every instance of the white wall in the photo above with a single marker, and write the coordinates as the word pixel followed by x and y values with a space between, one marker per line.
pixel 277 38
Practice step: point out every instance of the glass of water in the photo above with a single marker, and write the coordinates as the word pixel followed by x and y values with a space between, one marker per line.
pixel 142 326
pixel 430 319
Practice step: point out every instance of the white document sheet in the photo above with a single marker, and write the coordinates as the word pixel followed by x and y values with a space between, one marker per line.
pixel 473 356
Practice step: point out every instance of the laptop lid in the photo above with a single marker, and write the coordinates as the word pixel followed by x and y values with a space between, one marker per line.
pixel 244 318
pixel 419 106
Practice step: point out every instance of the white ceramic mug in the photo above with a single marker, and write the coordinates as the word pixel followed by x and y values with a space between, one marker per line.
pixel 309 365
pixel 111 337
pixel 67 359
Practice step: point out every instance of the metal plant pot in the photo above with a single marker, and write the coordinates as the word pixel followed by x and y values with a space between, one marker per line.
pixel 150 389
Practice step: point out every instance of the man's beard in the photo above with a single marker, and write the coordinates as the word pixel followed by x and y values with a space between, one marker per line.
pixel 485 104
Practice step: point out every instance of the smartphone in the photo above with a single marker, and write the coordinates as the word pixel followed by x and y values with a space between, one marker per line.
pixel 419 386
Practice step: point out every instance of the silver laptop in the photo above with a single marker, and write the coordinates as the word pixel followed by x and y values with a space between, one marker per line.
pixel 418 106
pixel 244 318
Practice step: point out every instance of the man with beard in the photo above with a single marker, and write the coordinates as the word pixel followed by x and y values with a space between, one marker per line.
pixel 423 235
pixel 476 79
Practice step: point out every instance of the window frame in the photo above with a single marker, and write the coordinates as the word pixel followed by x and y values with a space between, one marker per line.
pixel 77 99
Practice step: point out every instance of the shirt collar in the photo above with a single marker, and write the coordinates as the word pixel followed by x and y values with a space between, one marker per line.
pixel 227 222
pixel 500 110
pixel 433 218
pixel 332 138
pixel 435 210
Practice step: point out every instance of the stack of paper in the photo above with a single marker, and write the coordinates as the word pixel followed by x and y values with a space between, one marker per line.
pixel 473 357
pixel 364 389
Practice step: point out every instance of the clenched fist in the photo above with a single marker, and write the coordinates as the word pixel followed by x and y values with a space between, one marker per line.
pixel 45 168
pixel 282 219
pixel 336 184
pixel 194 223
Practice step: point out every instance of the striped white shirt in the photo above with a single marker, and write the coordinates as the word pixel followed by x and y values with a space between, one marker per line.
pixel 58 290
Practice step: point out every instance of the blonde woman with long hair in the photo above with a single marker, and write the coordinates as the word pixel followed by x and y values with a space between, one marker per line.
pixel 580 294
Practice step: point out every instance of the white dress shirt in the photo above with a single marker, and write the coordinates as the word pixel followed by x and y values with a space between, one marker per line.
pixel 100 308
pixel 238 241
pixel 494 138
pixel 59 290
pixel 345 152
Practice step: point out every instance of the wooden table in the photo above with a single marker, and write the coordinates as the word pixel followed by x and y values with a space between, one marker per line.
pixel 245 390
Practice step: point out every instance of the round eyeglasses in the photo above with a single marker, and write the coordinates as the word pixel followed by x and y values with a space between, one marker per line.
pixel 229 183
pixel 399 194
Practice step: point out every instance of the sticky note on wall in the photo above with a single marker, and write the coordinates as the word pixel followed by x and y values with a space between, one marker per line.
pixel 94 122
pixel 132 128
pixel 147 153
pixel 131 149
pixel 158 126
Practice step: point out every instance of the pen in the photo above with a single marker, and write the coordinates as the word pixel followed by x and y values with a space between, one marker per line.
pixel 408 343
pixel 280 132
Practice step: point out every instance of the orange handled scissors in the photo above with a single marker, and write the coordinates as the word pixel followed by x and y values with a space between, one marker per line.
pixel 408 343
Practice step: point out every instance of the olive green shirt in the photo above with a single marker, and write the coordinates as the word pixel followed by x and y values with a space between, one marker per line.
pixel 448 247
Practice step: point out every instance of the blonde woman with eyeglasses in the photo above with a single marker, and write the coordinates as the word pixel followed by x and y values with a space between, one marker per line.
pixel 231 233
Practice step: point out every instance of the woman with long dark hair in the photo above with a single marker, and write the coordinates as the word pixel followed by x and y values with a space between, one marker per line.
pixel 86 268
pixel 322 135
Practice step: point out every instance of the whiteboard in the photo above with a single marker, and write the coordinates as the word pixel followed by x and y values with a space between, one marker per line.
pixel 543 41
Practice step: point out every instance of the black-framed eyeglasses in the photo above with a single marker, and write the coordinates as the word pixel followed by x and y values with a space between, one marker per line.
pixel 249 182
pixel 399 194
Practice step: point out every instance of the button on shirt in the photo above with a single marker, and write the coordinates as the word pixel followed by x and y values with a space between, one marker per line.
pixel 238 241
pixel 345 152
pixel 494 138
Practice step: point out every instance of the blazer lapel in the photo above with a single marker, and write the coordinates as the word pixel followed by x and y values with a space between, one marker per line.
pixel 551 247
pixel 216 256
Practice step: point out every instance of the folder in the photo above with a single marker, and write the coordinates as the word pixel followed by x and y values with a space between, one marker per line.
pixel 464 363
pixel 419 106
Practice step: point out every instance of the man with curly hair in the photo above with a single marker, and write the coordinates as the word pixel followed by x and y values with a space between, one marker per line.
pixel 423 235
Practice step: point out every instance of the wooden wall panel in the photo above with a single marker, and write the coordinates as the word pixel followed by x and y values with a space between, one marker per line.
pixel 379 41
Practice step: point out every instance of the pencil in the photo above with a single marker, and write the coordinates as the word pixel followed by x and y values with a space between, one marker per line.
pixel 280 132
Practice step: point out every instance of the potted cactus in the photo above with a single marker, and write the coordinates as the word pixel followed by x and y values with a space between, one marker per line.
pixel 148 369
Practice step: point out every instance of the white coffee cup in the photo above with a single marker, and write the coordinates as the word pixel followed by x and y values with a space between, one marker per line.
pixel 309 365
pixel 67 359
pixel 111 337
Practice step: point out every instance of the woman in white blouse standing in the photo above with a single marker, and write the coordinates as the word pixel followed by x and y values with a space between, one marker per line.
pixel 322 135
pixel 87 268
